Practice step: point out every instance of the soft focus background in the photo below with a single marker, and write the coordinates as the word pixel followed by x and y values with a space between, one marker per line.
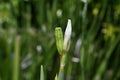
pixel 27 38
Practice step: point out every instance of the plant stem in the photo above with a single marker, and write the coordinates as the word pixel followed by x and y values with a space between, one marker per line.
pixel 16 59
pixel 41 73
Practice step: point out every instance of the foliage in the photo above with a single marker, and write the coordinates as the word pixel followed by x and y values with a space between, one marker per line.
pixel 94 51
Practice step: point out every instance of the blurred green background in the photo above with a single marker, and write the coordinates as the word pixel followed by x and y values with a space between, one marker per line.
pixel 27 38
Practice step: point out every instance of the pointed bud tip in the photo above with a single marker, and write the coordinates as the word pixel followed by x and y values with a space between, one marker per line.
pixel 68 30
pixel 69 20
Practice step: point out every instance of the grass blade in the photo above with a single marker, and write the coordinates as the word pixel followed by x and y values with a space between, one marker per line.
pixel 42 73
pixel 16 59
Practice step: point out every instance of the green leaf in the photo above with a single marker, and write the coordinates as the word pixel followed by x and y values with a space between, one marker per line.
pixel 42 73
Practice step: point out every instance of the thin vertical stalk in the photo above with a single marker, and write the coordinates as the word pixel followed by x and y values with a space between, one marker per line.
pixel 82 63
pixel 41 73
pixel 62 65
pixel 84 22
pixel 16 59
pixel 61 74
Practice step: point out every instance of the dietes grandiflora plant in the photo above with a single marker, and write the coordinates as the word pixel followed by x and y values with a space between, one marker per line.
pixel 63 45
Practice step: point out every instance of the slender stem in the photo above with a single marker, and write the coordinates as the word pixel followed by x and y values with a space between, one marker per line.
pixel 16 59
pixel 82 63
pixel 62 65
pixel 42 74
pixel 60 76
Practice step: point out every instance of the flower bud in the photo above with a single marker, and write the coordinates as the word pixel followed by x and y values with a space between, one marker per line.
pixel 59 39
pixel 67 35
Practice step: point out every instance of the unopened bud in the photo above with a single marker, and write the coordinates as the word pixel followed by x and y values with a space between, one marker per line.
pixel 67 35
pixel 59 39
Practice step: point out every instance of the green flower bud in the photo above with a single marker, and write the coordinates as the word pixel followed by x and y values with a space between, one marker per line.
pixel 59 39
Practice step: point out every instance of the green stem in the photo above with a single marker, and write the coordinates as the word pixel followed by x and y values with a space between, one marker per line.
pixel 41 73
pixel 62 65
pixel 16 59
pixel 82 63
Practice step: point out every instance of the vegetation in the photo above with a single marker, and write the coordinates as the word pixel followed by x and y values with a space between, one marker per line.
pixel 34 46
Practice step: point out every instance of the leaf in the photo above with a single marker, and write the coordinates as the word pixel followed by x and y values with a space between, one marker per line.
pixel 42 73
